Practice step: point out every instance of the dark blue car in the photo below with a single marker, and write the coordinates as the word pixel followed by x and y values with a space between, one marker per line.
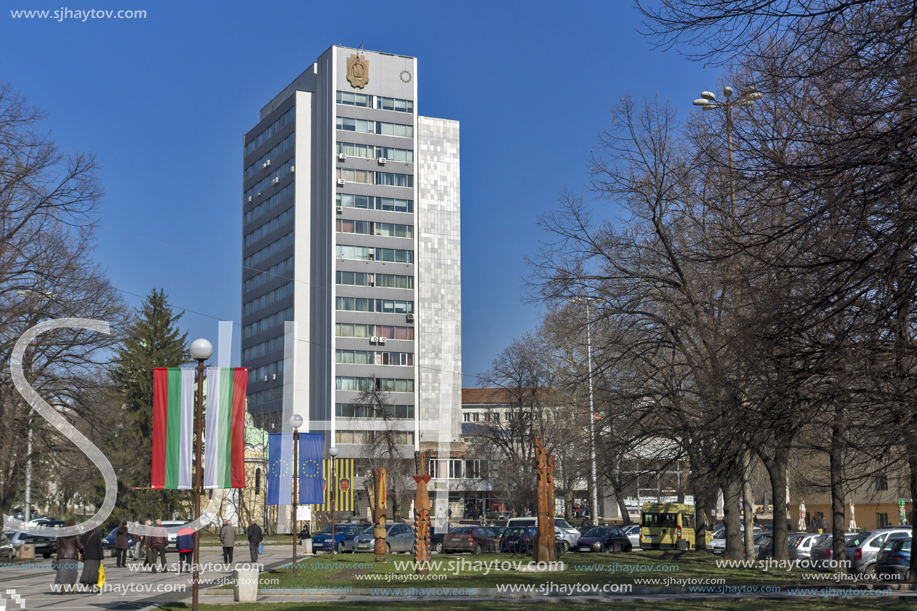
pixel 108 541
pixel 894 560
pixel 321 541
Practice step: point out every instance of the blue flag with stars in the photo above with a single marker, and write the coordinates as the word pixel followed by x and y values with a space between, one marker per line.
pixel 280 469
pixel 310 468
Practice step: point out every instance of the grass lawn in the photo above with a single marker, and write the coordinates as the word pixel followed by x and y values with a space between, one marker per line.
pixel 581 568
pixel 669 605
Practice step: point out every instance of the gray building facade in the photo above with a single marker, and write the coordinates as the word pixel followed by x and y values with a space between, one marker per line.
pixel 352 262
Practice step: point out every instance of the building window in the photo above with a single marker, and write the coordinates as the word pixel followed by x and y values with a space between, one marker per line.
pixel 354 304
pixel 390 332
pixel 352 410
pixel 881 482
pixel 359 176
pixel 393 154
pixel 352 330
pixel 275 271
pixel 394 180
pixel 265 162
pixel 270 250
pixel 263 348
pixel 394 255
pixel 394 104
pixel 267 205
pixel 368 202
pixel 257 482
pixel 365 151
pixel 268 133
pixel 360 253
pixel 348 226
pixel 393 230
pixel 354 99
pixel 882 520
pixel 394 306
pixel 268 323
pixel 281 292
pixel 391 281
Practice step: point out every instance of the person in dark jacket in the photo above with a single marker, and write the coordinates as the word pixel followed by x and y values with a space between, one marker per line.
pixel 159 539
pixel 254 540
pixel 68 560
pixel 121 545
pixel 185 545
pixel 92 558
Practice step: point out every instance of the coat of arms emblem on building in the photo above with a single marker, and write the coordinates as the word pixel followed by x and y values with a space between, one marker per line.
pixel 357 70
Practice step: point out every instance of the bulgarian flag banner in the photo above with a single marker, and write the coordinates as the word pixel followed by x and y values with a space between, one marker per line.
pixel 173 425
pixel 224 433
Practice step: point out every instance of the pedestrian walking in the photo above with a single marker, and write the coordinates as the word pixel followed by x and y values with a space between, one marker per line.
pixel 92 559
pixel 67 560
pixel 121 545
pixel 185 544
pixel 146 550
pixel 158 540
pixel 227 540
pixel 254 539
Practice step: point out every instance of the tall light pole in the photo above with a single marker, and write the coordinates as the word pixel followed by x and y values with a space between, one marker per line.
pixel 708 101
pixel 333 485
pixel 295 422
pixel 28 477
pixel 201 350
pixel 594 477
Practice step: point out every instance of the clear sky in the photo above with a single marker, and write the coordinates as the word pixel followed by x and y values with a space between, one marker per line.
pixel 164 101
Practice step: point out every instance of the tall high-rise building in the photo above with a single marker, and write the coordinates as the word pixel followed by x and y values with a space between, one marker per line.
pixel 352 276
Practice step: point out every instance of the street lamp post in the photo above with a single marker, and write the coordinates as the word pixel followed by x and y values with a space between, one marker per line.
pixel 333 484
pixel 593 474
pixel 708 101
pixel 201 350
pixel 295 422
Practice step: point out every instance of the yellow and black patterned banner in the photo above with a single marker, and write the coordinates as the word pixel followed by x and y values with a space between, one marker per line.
pixel 343 495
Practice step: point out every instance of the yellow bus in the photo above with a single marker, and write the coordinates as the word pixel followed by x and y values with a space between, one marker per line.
pixel 668 526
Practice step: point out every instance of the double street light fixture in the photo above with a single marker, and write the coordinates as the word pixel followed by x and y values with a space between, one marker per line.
pixel 708 101
pixel 594 476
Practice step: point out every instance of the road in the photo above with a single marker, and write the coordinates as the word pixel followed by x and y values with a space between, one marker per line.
pixel 130 590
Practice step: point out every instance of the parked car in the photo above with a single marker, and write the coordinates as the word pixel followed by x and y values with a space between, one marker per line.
pixel 322 541
pixel 44 546
pixel 633 534
pixel 862 550
pixel 398 538
pixel 801 545
pixel 521 540
pixel 475 539
pixel 350 542
pixel 436 539
pixel 718 544
pixel 498 530
pixel 821 555
pixel 894 559
pixel 523 522
pixel 603 539
pixel 108 541
pixel 567 526
pixel 566 538
pixel 6 547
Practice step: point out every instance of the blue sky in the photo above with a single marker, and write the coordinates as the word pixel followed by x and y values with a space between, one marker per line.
pixel 164 101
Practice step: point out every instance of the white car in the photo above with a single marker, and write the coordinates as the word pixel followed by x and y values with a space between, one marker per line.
pixel 562 523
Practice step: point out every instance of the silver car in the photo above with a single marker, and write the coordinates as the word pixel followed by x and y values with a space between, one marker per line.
pixel 348 543
pixel 398 538
pixel 633 533
pixel 863 549
pixel 801 545
pixel 567 538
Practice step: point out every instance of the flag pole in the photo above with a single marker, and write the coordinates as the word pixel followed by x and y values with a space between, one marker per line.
pixel 201 350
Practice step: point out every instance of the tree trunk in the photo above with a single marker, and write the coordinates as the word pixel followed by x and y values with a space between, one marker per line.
pixel 732 491
pixel 748 507
pixel 776 469
pixel 912 481
pixel 704 499
pixel 837 499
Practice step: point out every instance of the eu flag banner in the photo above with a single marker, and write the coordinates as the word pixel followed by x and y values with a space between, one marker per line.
pixel 280 469
pixel 310 468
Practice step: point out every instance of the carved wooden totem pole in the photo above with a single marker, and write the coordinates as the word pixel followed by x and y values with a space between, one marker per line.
pixel 379 513
pixel 422 512
pixel 544 540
